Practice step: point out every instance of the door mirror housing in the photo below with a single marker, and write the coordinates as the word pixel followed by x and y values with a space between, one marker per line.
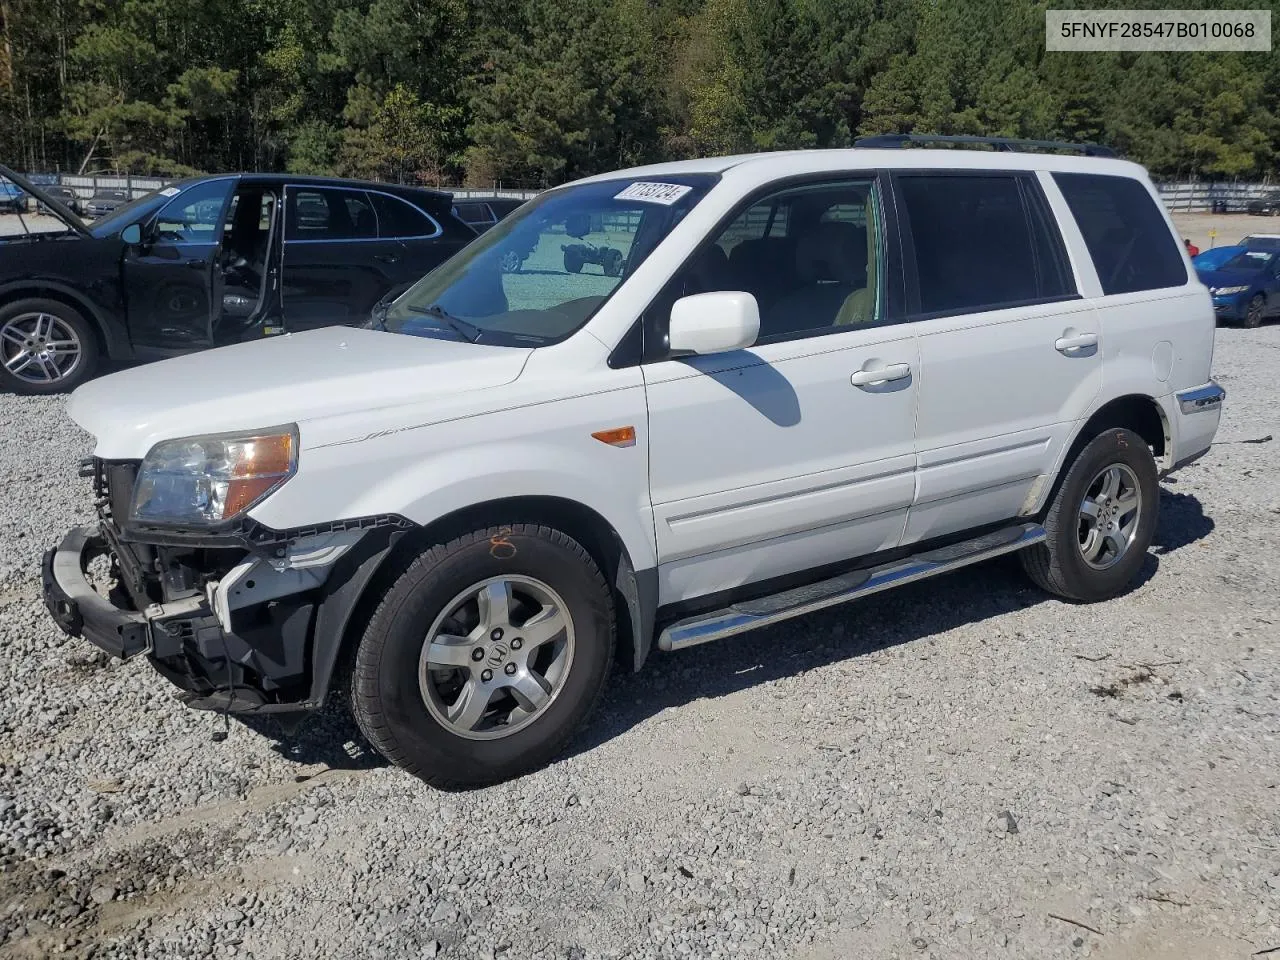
pixel 718 322
pixel 132 234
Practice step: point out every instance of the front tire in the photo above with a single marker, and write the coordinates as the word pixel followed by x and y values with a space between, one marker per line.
pixel 485 656
pixel 45 347
pixel 1100 522
pixel 1253 312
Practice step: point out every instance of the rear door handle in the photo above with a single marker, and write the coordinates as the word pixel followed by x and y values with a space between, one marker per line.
pixel 387 258
pixel 1066 344
pixel 197 264
pixel 869 378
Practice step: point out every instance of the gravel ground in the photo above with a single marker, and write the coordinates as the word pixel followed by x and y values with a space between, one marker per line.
pixel 959 768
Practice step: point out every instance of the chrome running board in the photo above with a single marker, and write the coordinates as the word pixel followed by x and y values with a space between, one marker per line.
pixel 751 614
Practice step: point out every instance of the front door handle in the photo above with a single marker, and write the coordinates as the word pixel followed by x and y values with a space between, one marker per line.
pixel 197 264
pixel 1080 340
pixel 870 378
pixel 387 258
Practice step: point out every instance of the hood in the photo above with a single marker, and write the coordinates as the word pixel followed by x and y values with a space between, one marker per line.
pixel 1229 278
pixel 287 379
pixel 53 203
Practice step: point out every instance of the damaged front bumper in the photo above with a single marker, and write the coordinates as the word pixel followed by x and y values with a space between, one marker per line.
pixel 260 635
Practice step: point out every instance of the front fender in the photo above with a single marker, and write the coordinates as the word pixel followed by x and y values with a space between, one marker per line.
pixel 424 473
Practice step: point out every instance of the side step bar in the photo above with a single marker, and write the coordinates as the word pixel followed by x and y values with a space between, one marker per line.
pixel 750 614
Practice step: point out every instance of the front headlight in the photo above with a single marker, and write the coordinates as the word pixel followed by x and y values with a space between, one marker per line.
pixel 1227 291
pixel 205 480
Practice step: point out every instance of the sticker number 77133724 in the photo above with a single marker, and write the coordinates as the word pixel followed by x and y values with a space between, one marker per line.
pixel 663 193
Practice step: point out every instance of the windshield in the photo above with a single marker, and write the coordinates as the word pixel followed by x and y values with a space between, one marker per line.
pixel 1251 261
pixel 537 276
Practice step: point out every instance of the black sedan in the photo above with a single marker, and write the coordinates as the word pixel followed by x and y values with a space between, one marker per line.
pixel 206 262
pixel 66 196
pixel 1265 206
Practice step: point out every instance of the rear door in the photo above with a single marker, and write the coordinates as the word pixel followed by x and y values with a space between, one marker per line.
pixel 421 241
pixel 169 277
pixel 1010 352
pixel 335 266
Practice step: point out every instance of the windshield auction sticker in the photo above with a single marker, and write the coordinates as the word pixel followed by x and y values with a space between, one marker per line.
pixel 663 193
pixel 1157 30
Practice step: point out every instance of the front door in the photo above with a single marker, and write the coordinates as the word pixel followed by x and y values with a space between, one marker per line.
pixel 1010 353
pixel 335 265
pixel 169 277
pixel 798 451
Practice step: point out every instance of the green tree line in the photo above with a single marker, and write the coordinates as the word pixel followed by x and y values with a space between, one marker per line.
pixel 535 92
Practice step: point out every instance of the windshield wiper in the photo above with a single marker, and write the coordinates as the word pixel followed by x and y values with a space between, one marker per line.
pixel 468 331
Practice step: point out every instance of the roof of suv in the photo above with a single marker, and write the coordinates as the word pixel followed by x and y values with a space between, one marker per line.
pixel 782 162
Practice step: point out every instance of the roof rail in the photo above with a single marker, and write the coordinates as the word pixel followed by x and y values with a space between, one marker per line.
pixel 999 143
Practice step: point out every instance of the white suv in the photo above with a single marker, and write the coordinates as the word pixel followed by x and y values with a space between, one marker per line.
pixel 772 384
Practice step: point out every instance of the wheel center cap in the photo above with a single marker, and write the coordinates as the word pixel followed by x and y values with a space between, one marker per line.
pixel 498 653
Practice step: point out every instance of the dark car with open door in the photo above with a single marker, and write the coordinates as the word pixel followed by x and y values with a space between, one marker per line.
pixel 206 262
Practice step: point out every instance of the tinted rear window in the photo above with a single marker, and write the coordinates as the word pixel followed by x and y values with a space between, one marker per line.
pixel 981 242
pixel 396 218
pixel 1127 237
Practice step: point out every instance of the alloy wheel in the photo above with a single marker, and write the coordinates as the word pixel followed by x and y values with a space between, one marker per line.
pixel 39 348
pixel 1109 515
pixel 496 657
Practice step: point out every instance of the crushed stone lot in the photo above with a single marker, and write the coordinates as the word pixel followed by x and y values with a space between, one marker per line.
pixel 961 768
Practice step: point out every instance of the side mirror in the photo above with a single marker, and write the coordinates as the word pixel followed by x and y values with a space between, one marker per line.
pixel 716 322
pixel 132 234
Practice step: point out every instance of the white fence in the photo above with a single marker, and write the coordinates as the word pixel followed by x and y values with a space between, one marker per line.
pixel 86 187
pixel 1205 197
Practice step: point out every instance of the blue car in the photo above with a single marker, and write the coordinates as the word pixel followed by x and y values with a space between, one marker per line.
pixel 12 199
pixel 1245 289
pixel 1215 258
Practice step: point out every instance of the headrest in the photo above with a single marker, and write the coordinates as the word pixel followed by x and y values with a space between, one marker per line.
pixel 833 250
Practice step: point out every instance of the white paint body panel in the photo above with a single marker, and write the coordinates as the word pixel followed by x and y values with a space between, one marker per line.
pixel 776 442
pixel 997 404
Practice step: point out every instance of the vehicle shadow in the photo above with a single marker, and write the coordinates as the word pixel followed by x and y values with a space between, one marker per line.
pixel 1182 522
pixel 329 736
pixel 905 615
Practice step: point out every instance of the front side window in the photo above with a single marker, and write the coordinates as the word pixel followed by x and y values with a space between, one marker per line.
pixel 540 274
pixel 812 256
pixel 1128 239
pixel 980 243
pixel 193 215
pixel 329 214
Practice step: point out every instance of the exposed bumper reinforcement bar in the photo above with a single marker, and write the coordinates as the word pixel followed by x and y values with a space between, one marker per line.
pixel 78 609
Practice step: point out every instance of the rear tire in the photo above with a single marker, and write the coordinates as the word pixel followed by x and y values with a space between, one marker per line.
pixel 464 676
pixel 1097 537
pixel 46 347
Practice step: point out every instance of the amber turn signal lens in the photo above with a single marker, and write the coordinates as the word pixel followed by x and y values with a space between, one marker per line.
pixel 270 456
pixel 617 437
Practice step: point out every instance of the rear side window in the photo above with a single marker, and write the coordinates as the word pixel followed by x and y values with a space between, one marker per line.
pixel 981 242
pixel 1127 237
pixel 397 219
pixel 324 214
